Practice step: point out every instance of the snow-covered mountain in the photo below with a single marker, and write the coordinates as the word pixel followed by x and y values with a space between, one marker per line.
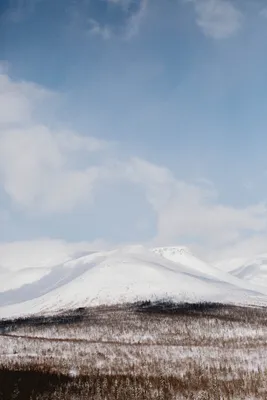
pixel 125 275
pixel 182 255
pixel 230 264
pixel 253 271
pixel 22 263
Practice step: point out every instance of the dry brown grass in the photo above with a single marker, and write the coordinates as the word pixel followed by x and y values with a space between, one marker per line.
pixel 37 382
pixel 142 352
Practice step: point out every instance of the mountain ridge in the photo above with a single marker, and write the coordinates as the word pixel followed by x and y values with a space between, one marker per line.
pixel 129 274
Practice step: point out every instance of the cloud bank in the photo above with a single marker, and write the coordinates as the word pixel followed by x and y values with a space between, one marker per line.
pixel 46 170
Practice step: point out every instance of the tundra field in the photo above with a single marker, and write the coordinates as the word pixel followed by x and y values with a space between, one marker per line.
pixel 141 351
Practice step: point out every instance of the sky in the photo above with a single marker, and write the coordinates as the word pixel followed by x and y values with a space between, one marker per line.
pixel 134 121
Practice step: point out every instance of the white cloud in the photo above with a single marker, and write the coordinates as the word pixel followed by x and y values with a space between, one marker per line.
pixel 43 169
pixel 194 212
pixel 37 168
pixel 72 142
pixel 211 223
pixel 18 100
pixel 218 19
pixel 35 173
pixel 157 182
pixel 43 252
pixel 245 248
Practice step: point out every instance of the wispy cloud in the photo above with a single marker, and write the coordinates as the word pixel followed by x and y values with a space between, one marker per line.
pixel 95 28
pixel 106 18
pixel 135 20
pixel 218 19
pixel 121 19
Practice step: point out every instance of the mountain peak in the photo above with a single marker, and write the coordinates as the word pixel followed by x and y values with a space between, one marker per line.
pixel 171 250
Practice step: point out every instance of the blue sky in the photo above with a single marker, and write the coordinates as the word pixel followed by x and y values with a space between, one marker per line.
pixel 134 121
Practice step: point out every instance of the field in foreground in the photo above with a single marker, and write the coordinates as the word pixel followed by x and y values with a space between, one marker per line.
pixel 143 351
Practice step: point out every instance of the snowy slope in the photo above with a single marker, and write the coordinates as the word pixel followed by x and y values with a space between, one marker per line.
pixel 23 263
pixel 231 264
pixel 253 271
pixel 15 279
pixel 183 256
pixel 126 275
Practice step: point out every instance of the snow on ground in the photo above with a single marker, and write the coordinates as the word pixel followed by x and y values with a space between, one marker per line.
pixel 253 271
pixel 23 263
pixel 230 264
pixel 14 279
pixel 125 275
pixel 183 256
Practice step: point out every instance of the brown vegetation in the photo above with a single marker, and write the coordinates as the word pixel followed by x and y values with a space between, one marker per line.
pixel 140 352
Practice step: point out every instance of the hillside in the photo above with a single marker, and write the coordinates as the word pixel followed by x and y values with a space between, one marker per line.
pixel 253 271
pixel 126 275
